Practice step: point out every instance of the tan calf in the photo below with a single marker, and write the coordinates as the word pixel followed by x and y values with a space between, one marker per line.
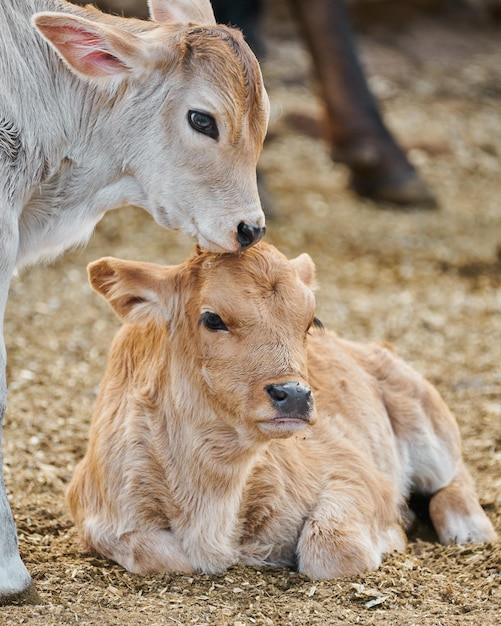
pixel 206 448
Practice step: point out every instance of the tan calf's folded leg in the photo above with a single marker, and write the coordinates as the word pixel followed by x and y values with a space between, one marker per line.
pixel 456 512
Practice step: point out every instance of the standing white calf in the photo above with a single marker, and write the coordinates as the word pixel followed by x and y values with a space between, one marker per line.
pixel 97 112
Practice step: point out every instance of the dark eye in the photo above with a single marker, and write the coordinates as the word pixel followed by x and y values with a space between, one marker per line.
pixel 203 123
pixel 316 323
pixel 212 321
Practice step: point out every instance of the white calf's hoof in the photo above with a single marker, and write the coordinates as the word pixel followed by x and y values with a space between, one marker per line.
pixel 16 585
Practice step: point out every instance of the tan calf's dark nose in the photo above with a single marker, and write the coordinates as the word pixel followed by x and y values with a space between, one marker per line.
pixel 291 399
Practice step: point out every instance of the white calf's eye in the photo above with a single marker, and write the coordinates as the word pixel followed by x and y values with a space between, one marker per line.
pixel 203 123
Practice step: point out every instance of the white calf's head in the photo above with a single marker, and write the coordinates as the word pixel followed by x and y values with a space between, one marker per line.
pixel 229 336
pixel 184 112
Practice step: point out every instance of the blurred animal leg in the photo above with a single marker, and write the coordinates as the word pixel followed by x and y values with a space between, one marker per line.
pixel 357 132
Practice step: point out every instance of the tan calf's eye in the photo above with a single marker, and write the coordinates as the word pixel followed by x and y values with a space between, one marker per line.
pixel 212 321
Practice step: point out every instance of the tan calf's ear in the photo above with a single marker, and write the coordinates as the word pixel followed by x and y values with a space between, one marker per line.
pixel 183 11
pixel 138 292
pixel 305 267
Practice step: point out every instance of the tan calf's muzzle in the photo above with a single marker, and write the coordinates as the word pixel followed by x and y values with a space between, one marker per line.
pixel 249 235
pixel 292 400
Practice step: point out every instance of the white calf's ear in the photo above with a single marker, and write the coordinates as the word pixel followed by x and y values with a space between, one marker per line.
pixel 305 267
pixel 90 49
pixel 183 11
pixel 138 292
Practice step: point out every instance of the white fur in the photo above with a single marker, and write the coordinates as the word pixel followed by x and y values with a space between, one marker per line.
pixel 94 116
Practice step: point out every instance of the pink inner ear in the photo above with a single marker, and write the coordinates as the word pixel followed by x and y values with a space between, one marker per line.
pixel 100 63
pixel 85 51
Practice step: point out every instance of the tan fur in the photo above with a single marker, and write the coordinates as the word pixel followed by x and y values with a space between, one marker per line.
pixel 185 471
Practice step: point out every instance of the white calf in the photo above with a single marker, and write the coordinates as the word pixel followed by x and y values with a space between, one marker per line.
pixel 98 111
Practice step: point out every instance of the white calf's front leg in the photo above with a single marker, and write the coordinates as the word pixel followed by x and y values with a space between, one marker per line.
pixel 15 581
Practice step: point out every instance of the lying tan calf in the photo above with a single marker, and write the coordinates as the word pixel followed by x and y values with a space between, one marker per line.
pixel 207 449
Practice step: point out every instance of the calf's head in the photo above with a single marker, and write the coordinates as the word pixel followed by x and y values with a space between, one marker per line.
pixel 185 112
pixel 234 329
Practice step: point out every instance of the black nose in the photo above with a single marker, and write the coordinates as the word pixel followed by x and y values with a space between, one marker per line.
pixel 249 235
pixel 291 399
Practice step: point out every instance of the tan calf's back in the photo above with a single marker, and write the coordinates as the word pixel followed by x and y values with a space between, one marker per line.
pixel 230 428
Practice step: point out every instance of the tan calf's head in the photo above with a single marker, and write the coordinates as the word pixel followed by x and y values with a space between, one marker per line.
pixel 185 108
pixel 232 327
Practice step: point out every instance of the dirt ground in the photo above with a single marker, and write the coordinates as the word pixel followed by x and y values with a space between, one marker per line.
pixel 429 282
